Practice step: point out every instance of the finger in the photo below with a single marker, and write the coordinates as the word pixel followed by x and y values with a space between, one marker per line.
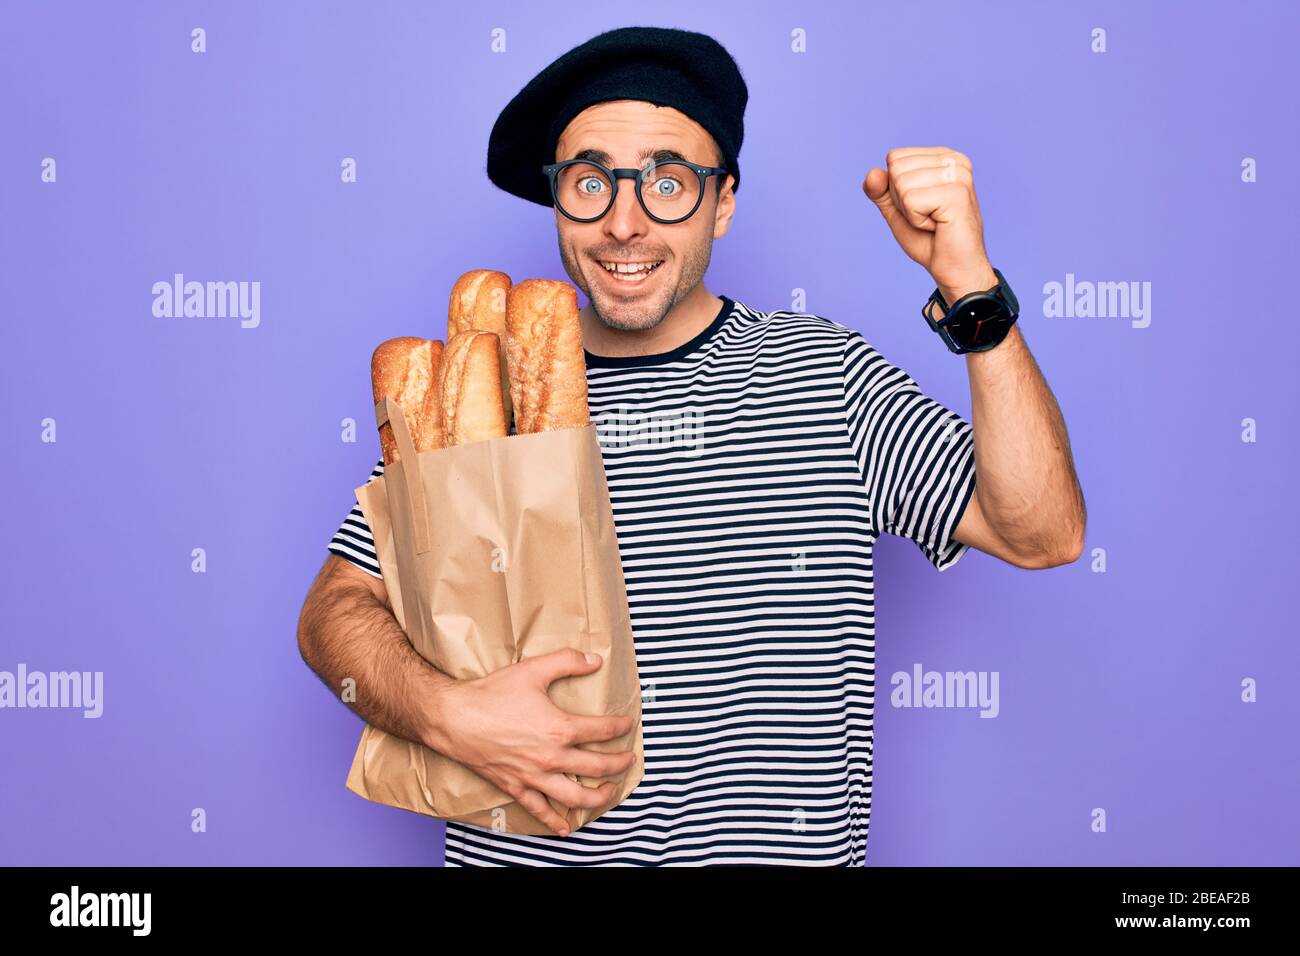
pixel 936 204
pixel 927 159
pixel 585 730
pixel 878 190
pixel 593 763
pixel 540 808
pixel 931 176
pixel 548 668
pixel 573 794
pixel 905 152
pixel 917 220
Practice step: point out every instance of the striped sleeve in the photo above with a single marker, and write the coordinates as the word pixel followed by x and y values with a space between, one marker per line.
pixel 353 541
pixel 917 457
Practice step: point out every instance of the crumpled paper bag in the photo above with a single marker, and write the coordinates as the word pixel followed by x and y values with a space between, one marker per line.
pixel 493 552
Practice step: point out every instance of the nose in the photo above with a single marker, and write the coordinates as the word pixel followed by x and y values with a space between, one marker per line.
pixel 625 219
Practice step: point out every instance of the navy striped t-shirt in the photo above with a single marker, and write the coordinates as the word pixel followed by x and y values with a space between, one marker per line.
pixel 750 472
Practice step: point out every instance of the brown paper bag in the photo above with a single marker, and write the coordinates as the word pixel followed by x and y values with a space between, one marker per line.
pixel 493 552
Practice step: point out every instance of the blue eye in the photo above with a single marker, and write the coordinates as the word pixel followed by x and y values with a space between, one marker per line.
pixel 667 187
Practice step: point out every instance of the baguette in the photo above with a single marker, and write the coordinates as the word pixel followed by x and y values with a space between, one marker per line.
pixel 470 388
pixel 548 369
pixel 406 370
pixel 478 303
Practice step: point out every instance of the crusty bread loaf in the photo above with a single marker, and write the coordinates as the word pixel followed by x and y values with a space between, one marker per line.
pixel 548 369
pixel 478 302
pixel 406 370
pixel 470 388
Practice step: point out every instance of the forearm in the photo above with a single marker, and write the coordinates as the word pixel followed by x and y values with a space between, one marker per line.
pixel 347 632
pixel 1025 478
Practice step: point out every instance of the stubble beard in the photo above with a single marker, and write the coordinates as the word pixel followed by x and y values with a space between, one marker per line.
pixel 646 312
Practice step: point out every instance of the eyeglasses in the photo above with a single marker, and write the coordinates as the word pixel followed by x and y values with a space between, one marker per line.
pixel 584 191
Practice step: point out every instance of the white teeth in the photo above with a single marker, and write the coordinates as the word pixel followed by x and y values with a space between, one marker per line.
pixel 629 268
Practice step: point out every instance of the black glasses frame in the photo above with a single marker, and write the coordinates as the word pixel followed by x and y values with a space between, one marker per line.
pixel 552 170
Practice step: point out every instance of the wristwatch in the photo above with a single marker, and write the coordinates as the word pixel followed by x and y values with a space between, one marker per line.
pixel 976 322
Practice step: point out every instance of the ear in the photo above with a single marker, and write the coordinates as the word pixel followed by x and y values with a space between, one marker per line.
pixel 724 210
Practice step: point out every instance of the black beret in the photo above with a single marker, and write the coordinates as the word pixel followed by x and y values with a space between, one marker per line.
pixel 688 71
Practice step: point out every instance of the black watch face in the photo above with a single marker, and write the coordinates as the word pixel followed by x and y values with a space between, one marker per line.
pixel 980 322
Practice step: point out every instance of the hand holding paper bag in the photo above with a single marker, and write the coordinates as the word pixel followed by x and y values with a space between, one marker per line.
pixel 497 550
pixel 510 732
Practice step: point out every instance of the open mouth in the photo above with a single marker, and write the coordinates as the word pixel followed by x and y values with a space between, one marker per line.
pixel 630 273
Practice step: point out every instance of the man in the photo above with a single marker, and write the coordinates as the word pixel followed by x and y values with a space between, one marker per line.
pixel 752 459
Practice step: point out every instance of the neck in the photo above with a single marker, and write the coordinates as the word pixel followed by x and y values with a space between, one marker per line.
pixel 685 320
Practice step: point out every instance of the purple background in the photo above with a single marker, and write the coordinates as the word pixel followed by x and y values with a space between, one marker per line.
pixel 1118 690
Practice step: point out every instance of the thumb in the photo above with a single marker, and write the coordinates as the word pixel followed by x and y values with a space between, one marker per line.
pixel 562 663
pixel 876 186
